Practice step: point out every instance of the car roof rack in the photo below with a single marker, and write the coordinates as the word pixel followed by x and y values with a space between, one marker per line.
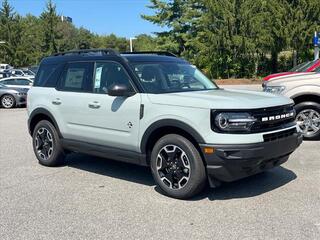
pixel 89 52
pixel 162 53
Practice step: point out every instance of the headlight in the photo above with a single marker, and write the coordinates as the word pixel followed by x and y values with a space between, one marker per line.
pixel 274 89
pixel 233 122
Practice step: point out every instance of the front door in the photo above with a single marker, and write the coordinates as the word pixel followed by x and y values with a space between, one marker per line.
pixel 95 117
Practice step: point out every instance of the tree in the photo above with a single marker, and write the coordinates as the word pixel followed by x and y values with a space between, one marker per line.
pixel 10 32
pixel 49 24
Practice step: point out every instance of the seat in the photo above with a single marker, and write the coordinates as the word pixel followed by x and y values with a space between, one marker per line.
pixel 151 79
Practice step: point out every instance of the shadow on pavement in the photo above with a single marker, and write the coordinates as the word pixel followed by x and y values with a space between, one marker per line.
pixel 252 186
pixel 244 188
pixel 124 171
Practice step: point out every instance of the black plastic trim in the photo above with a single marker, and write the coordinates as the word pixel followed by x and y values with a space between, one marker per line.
pixel 168 123
pixel 43 111
pixel 231 162
pixel 105 152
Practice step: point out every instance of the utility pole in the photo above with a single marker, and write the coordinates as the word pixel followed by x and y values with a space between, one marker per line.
pixel 131 43
pixel 316 45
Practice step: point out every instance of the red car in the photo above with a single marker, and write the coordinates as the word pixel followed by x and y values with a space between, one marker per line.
pixel 312 66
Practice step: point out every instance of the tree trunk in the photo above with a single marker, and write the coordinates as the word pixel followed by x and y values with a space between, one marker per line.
pixel 274 62
pixel 294 57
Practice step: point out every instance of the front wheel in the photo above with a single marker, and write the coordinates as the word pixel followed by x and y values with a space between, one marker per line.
pixel 308 119
pixel 177 167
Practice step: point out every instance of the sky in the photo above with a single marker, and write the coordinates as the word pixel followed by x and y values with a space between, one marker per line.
pixel 121 17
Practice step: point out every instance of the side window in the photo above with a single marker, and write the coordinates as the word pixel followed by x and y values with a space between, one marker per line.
pixel 107 74
pixel 77 77
pixel 23 82
pixel 48 75
pixel 9 82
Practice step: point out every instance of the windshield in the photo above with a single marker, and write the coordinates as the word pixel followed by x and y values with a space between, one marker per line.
pixel 166 77
pixel 2 86
pixel 303 66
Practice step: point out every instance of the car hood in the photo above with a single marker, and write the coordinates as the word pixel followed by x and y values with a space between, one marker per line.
pixel 220 99
pixel 313 78
pixel 287 75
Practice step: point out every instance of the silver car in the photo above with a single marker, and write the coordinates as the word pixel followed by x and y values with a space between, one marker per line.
pixel 12 97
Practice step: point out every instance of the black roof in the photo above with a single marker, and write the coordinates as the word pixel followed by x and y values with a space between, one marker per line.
pixel 151 58
pixel 109 54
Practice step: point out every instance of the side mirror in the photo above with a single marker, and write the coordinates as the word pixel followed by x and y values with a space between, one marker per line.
pixel 120 90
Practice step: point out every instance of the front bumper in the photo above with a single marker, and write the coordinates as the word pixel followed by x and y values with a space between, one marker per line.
pixel 21 100
pixel 232 162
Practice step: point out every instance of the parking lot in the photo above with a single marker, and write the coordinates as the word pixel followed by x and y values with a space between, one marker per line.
pixel 92 198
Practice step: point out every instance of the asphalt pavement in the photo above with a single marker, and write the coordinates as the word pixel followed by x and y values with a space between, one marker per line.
pixel 93 198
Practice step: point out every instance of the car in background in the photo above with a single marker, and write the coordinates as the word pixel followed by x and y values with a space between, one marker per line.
pixel 4 66
pixel 303 68
pixel 28 73
pixel 12 97
pixel 34 69
pixel 304 90
pixel 5 74
pixel 17 82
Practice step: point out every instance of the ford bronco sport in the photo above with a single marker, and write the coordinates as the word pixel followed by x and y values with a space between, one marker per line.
pixel 157 110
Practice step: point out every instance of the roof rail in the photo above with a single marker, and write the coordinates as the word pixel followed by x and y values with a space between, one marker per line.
pixel 163 53
pixel 106 51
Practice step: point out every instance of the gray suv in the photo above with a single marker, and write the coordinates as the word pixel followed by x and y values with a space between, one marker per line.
pixel 156 110
pixel 304 89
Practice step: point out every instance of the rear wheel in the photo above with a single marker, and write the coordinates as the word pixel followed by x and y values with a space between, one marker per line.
pixel 177 167
pixel 46 144
pixel 308 119
pixel 8 101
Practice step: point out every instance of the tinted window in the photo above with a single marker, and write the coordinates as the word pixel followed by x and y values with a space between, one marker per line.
pixel 8 82
pixel 107 74
pixel 48 75
pixel 77 77
pixel 22 82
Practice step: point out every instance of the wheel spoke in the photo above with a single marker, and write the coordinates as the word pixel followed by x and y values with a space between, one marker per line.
pixel 173 166
pixel 44 143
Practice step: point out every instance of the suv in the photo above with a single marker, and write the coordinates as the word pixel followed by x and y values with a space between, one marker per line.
pixel 305 92
pixel 157 110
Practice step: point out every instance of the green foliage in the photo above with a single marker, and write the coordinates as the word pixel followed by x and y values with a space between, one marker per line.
pixel 225 38
pixel 237 38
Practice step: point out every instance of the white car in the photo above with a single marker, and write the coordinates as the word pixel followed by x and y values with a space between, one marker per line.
pixel 17 82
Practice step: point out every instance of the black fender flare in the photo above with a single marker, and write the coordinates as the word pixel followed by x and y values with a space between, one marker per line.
pixel 168 123
pixel 45 112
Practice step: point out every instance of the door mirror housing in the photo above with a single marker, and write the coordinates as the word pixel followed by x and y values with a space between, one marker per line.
pixel 120 90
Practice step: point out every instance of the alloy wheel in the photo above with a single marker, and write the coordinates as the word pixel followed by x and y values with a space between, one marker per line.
pixel 173 167
pixel 308 121
pixel 44 143
pixel 7 101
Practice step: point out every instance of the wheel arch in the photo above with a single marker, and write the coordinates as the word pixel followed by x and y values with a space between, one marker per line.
pixel 41 114
pixel 307 97
pixel 168 126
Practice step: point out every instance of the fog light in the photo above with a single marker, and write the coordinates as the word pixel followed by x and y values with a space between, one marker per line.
pixel 208 150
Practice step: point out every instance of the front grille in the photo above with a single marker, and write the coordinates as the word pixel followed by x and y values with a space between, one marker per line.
pixel 278 115
pixel 279 135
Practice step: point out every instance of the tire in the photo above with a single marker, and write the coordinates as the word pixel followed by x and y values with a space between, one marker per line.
pixel 175 157
pixel 308 116
pixel 46 145
pixel 8 101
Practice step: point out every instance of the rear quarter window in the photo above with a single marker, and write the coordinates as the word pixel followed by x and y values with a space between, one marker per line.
pixel 48 75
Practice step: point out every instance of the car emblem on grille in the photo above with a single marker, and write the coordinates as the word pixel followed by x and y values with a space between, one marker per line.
pixel 278 117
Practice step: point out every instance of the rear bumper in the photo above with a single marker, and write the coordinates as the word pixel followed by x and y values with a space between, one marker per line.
pixel 232 162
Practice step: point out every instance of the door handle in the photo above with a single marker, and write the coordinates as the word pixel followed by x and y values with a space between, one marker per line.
pixel 57 101
pixel 94 105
